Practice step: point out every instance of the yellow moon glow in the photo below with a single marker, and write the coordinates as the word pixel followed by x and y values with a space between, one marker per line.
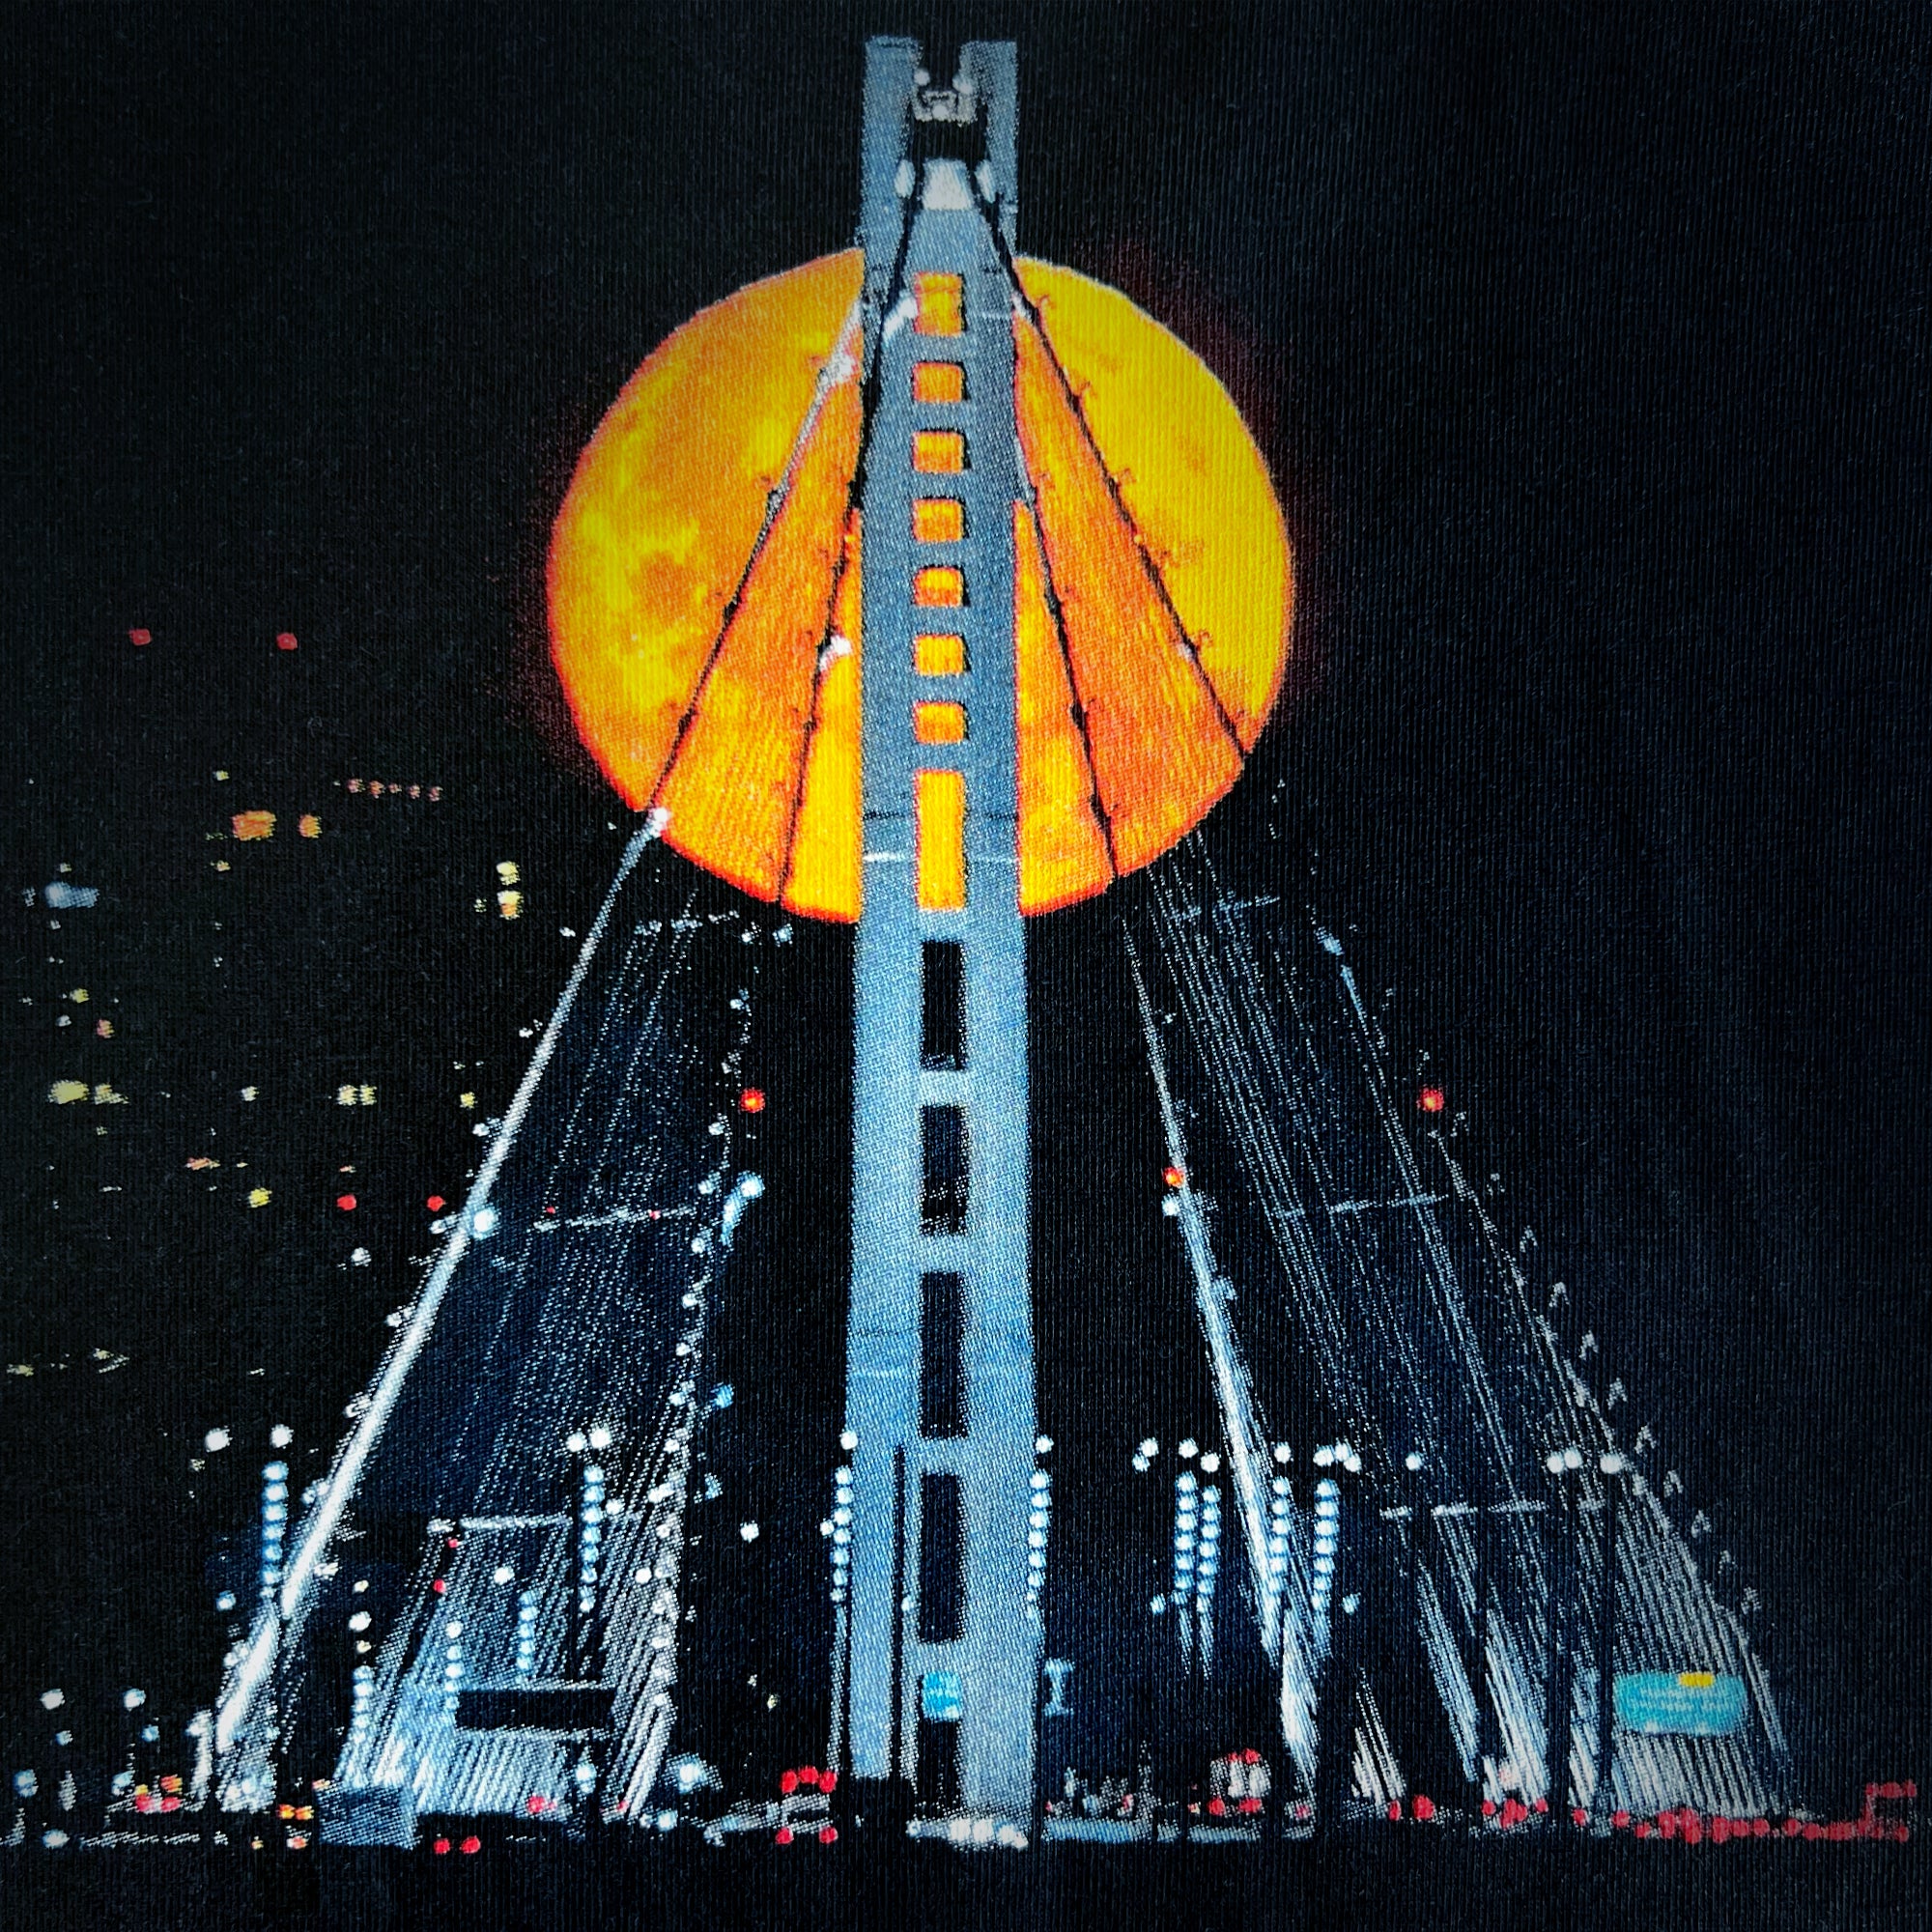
pixel 718 675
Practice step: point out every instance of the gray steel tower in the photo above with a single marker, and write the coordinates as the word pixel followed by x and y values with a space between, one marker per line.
pixel 943 1657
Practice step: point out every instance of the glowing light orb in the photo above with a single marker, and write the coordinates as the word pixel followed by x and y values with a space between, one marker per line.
pixel 712 659
pixel 1431 1100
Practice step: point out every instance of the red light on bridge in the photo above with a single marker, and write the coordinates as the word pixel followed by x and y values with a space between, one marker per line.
pixel 470 1847
pixel 435 1203
pixel 1431 1100
pixel 347 1202
pixel 1174 1176
pixel 788 1783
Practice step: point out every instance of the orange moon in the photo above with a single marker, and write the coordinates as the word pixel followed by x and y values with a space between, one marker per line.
pixel 704 605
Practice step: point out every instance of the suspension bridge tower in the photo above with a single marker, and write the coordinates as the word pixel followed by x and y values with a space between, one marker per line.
pixel 940 1366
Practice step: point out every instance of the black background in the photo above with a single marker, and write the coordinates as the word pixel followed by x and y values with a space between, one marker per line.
pixel 1588 346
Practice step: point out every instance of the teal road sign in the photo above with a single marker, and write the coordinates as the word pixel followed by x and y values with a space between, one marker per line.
pixel 939 1700
pixel 1684 1703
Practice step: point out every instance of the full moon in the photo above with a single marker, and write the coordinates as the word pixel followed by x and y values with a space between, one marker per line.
pixel 704 588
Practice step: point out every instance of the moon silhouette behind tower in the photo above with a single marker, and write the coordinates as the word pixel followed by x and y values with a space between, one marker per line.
pixel 704 605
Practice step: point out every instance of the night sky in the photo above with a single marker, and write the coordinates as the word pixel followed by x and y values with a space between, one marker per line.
pixel 1589 349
